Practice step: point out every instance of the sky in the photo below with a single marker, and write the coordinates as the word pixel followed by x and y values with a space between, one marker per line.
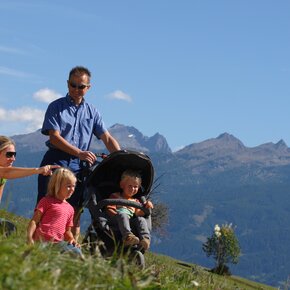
pixel 189 70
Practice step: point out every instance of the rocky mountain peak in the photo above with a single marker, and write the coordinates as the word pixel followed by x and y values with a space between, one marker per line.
pixel 228 137
pixel 281 145
pixel 230 140
pixel 131 138
pixel 223 144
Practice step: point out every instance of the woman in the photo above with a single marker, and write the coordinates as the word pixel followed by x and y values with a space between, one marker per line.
pixel 7 157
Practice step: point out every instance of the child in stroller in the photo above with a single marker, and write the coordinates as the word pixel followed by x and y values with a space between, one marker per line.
pixel 103 234
pixel 123 215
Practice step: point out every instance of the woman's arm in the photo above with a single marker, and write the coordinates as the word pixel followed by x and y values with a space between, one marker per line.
pixel 17 172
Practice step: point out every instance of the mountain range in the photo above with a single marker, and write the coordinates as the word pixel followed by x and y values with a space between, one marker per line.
pixel 215 181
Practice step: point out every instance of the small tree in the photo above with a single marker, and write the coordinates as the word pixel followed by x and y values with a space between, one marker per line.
pixel 159 217
pixel 224 246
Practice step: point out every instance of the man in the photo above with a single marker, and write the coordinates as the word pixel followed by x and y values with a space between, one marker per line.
pixel 70 122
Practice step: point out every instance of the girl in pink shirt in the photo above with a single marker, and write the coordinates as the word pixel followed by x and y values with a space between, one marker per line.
pixel 53 215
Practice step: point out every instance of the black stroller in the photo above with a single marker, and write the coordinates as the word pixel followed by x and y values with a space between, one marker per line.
pixel 101 236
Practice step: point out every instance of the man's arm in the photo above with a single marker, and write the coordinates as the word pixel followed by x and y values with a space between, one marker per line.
pixel 60 143
pixel 110 142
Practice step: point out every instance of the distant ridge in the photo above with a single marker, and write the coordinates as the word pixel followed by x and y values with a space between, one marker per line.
pixel 128 137
pixel 227 152
pixel 31 142
pixel 223 152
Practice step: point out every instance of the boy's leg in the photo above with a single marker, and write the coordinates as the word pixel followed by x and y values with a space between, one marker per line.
pixel 141 226
pixel 143 232
pixel 123 222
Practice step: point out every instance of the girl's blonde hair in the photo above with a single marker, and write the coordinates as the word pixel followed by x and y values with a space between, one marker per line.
pixel 58 176
pixel 5 142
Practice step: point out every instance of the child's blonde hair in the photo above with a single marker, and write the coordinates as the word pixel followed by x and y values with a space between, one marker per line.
pixel 58 176
pixel 133 174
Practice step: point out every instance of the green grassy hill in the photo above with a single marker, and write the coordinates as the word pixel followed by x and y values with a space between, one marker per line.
pixel 42 267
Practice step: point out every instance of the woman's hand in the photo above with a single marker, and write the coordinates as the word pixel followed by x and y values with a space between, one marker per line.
pixel 47 169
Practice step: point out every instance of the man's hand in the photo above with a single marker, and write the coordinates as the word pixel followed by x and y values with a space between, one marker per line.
pixel 87 156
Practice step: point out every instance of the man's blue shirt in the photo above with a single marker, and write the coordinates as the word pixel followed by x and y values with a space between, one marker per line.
pixel 76 124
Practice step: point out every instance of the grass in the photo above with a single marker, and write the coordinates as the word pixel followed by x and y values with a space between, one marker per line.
pixel 43 267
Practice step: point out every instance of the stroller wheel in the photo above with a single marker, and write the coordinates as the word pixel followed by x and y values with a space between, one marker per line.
pixel 138 258
pixel 91 241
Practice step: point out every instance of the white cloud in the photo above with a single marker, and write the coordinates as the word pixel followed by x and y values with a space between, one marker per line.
pixel 11 50
pixel 119 95
pixel 201 238
pixel 178 148
pixel 199 219
pixel 46 95
pixel 26 119
pixel 2 114
pixel 15 73
pixel 32 118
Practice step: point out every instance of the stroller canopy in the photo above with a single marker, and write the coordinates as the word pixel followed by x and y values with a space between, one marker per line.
pixel 105 177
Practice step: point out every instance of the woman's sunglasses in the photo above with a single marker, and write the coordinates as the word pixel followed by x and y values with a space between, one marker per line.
pixel 10 154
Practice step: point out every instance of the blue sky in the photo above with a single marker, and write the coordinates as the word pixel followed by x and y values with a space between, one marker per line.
pixel 187 69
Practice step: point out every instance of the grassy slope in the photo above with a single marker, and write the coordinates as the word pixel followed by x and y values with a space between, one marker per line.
pixel 38 267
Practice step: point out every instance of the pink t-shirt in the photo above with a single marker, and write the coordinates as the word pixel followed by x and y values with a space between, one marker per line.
pixel 57 215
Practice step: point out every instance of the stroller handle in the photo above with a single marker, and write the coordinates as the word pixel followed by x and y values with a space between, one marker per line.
pixel 112 201
pixel 101 155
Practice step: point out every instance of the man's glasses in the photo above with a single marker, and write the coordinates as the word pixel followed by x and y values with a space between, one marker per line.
pixel 79 87
pixel 10 154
